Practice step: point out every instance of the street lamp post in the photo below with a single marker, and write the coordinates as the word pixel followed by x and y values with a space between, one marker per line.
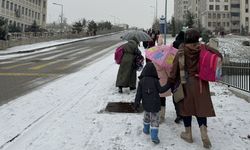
pixel 165 25
pixel 61 15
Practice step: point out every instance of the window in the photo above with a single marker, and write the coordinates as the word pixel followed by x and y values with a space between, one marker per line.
pixel 224 15
pixel 29 12
pixel 44 4
pixel 209 24
pixel 44 17
pixel 38 16
pixel 214 24
pixel 26 11
pixel 218 16
pixel 246 1
pixel 235 5
pixel 32 14
pixel 15 7
pixel 228 24
pixel 11 6
pixel 217 7
pixel 217 0
pixel 8 5
pixel 23 10
pixel 225 7
pixel 225 0
pixel 3 3
pixel 246 19
pixel 246 10
pixel 209 15
pixel 211 0
pixel 214 15
pixel 211 7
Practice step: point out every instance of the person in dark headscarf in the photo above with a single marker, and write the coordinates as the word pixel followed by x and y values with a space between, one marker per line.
pixel 126 76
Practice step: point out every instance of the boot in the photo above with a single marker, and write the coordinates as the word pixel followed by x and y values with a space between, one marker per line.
pixel 162 114
pixel 146 128
pixel 178 119
pixel 120 90
pixel 187 135
pixel 204 137
pixel 154 135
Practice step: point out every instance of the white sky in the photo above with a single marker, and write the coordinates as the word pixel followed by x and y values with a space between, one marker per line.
pixel 133 12
pixel 68 114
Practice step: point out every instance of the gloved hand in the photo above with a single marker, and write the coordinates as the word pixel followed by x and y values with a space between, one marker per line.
pixel 136 107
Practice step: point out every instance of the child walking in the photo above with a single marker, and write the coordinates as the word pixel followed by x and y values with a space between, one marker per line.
pixel 148 91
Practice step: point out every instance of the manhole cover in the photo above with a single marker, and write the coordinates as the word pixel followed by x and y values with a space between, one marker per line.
pixel 121 107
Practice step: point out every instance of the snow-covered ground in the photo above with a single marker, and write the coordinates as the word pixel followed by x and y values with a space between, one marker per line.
pixel 69 114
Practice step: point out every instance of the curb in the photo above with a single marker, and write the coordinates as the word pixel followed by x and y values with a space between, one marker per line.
pixel 239 93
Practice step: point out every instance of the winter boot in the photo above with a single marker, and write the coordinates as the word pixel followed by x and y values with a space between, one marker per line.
pixel 178 119
pixel 204 137
pixel 162 114
pixel 154 135
pixel 146 128
pixel 120 90
pixel 187 135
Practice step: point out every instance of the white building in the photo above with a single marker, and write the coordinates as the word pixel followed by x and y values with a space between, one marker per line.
pixel 24 12
pixel 180 9
pixel 245 14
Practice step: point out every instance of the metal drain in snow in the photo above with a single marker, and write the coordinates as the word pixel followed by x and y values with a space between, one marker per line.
pixel 122 107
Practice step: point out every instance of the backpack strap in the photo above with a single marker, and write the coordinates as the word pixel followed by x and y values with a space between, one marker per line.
pixel 182 64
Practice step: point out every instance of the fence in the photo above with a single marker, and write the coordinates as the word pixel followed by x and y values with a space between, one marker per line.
pixel 236 74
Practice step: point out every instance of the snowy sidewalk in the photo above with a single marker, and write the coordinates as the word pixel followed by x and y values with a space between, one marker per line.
pixel 68 114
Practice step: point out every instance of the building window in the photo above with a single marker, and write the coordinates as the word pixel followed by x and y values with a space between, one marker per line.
pixel 26 11
pixel 32 14
pixel 3 3
pixel 211 7
pixel 44 4
pixel 29 12
pixel 246 1
pixel 15 7
pixel 217 7
pixel 214 15
pixel 23 10
pixel 225 0
pixel 246 10
pixel 228 24
pixel 44 17
pixel 225 7
pixel 209 15
pixel 211 0
pixel 214 24
pixel 11 6
pixel 217 0
pixel 246 19
pixel 7 5
pixel 218 16
pixel 209 24
pixel 38 16
pixel 224 15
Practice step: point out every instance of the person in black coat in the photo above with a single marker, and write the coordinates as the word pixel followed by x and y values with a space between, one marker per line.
pixel 148 91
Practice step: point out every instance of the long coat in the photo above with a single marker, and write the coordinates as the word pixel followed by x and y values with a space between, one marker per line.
pixel 197 99
pixel 126 76
pixel 149 88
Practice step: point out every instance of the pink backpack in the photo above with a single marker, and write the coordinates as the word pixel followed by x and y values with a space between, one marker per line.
pixel 118 54
pixel 209 65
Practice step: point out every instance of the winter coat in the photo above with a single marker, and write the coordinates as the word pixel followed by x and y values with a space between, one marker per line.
pixel 126 76
pixel 197 99
pixel 163 78
pixel 149 88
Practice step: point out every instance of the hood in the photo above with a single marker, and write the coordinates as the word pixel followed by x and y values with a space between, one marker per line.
pixel 149 71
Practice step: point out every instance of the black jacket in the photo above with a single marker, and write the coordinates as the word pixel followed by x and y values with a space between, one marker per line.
pixel 149 88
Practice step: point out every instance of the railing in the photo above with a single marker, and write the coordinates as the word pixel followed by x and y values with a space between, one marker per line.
pixel 237 74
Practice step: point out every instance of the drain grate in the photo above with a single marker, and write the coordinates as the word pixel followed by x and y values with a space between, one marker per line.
pixel 122 107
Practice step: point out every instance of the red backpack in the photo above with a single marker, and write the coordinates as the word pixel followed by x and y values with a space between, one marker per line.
pixel 118 54
pixel 209 65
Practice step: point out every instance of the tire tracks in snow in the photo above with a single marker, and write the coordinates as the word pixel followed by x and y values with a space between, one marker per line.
pixel 59 110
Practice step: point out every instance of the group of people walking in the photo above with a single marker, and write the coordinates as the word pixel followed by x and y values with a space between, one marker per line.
pixel 155 84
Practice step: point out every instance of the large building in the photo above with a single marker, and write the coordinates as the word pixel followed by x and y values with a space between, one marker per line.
pixel 228 15
pixel 180 9
pixel 24 12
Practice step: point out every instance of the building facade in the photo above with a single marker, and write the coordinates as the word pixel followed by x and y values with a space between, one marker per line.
pixel 180 9
pixel 24 12
pixel 245 15
pixel 232 16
